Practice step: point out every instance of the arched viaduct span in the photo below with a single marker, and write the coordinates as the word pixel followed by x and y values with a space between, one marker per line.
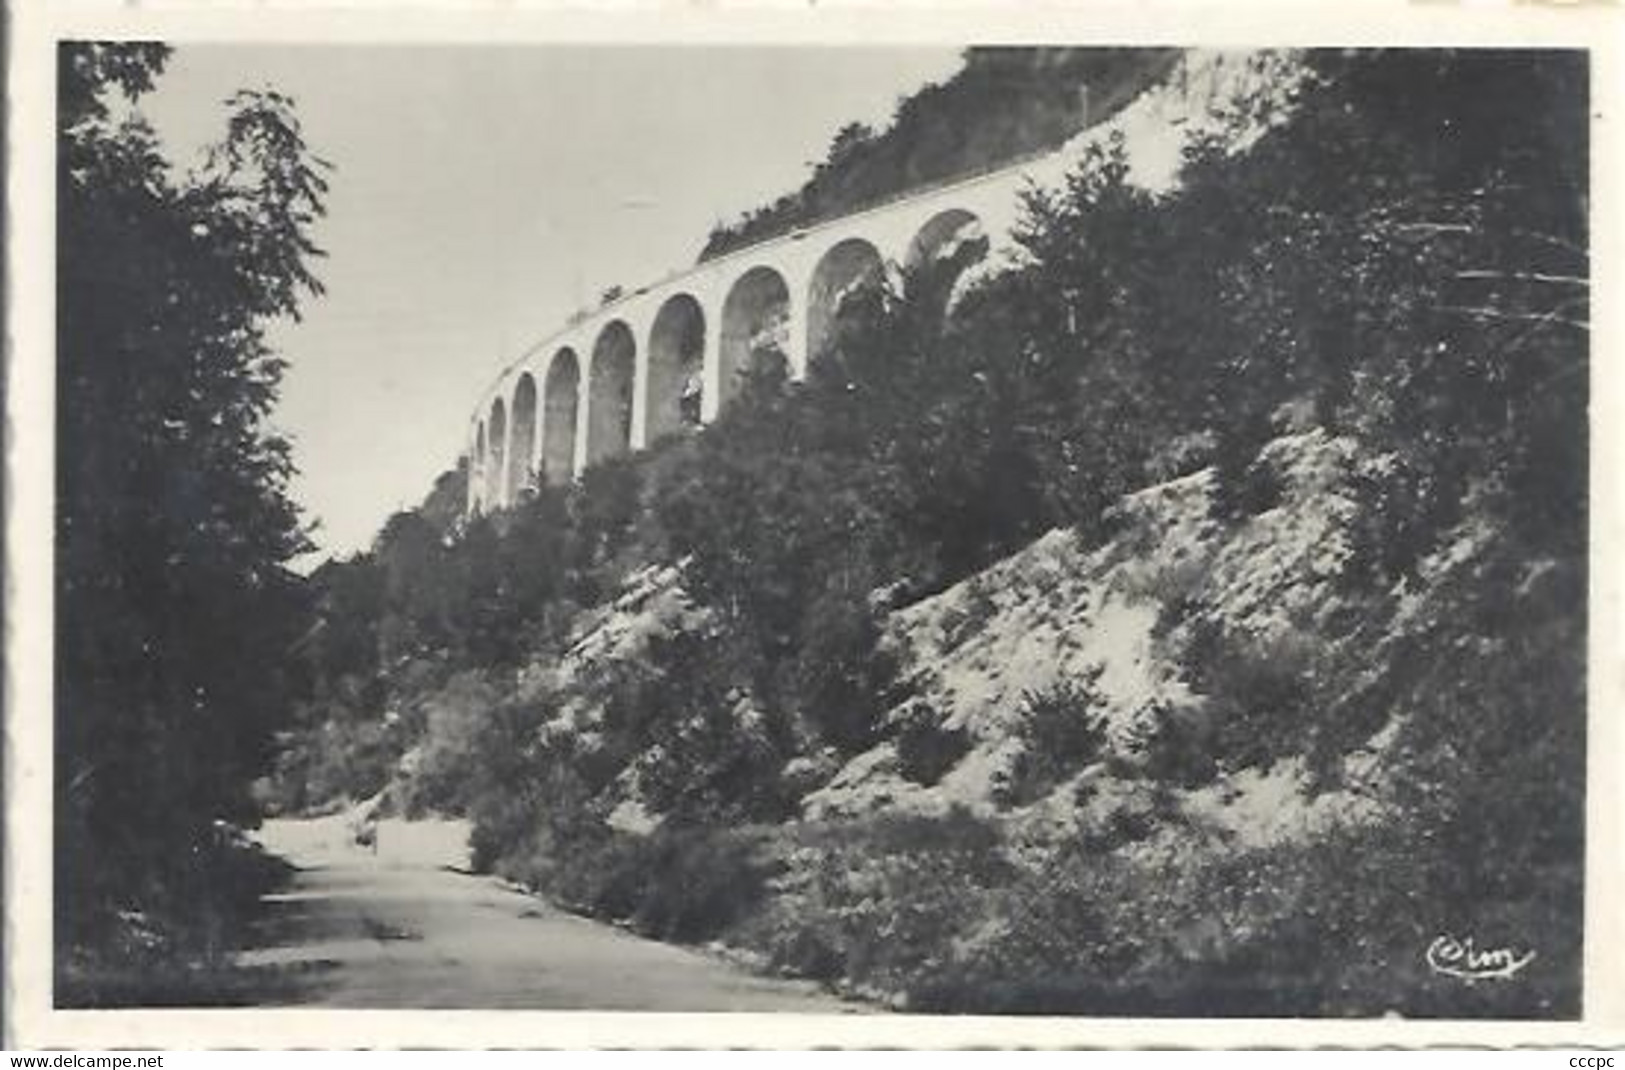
pixel 670 354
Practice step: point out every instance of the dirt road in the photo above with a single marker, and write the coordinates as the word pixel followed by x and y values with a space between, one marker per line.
pixel 403 928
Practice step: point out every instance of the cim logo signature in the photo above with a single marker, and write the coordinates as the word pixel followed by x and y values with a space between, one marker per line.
pixel 1461 958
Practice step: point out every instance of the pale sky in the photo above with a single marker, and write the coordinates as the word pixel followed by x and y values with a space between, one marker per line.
pixel 482 193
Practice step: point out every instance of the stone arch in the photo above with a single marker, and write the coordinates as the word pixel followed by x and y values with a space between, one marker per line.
pixel 755 326
pixel 522 436
pixel 609 391
pixel 561 396
pixel 497 451
pixel 848 266
pixel 676 367
pixel 948 243
pixel 951 233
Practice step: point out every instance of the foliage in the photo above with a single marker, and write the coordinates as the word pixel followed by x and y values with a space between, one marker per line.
pixel 345 757
pixel 1260 696
pixel 180 953
pixel 447 771
pixel 1175 745
pixel 967 618
pixel 175 610
pixel 702 752
pixel 1061 731
pixel 878 903
pixel 536 789
pixel 1070 340
pixel 1275 931
pixel 926 750
pixel 688 884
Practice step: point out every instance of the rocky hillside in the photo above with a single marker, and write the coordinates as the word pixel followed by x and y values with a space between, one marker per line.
pixel 1120 616
pixel 1141 703
pixel 1107 627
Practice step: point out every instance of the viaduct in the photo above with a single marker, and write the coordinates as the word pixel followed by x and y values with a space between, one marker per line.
pixel 668 355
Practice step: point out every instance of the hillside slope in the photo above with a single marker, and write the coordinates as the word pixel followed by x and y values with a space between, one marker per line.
pixel 1120 616
pixel 1138 708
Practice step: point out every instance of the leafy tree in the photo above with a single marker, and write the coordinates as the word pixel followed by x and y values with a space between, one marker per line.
pixel 348 598
pixel 849 140
pixel 175 611
pixel 414 613
pixel 443 508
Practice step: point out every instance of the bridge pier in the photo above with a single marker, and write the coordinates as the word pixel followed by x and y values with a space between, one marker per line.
pixel 795 344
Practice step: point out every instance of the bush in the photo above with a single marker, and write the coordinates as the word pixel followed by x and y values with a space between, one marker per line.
pixel 689 884
pixel 1176 746
pixel 1260 693
pixel 702 748
pixel 346 756
pixel 1061 730
pixel 961 622
pixel 1277 931
pixel 878 902
pixel 534 791
pixel 180 954
pixel 447 769
pixel 692 884
pixel 841 677
pixel 925 749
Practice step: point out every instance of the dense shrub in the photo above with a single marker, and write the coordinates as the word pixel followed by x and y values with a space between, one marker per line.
pixel 447 769
pixel 686 883
pixel 1259 694
pixel 346 757
pixel 880 901
pixel 1277 931
pixel 926 749
pixel 967 617
pixel 694 884
pixel 1174 745
pixel 1061 730
pixel 687 724
pixel 533 783
pixel 180 953
pixel 840 679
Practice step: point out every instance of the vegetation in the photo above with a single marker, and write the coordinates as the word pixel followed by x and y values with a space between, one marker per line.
pixel 926 750
pixel 1397 263
pixel 1061 731
pixel 174 608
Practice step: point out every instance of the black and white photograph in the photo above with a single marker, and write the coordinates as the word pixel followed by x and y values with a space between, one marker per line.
pixel 865 529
